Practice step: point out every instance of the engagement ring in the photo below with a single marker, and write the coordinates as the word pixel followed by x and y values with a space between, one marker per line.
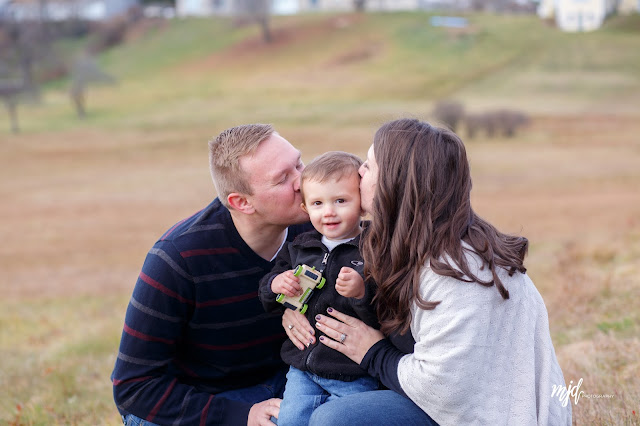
pixel 343 337
pixel 290 326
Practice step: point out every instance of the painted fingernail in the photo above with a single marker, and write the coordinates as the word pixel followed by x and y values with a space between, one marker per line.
pixel 322 338
pixel 318 317
pixel 312 332
pixel 310 342
pixel 329 309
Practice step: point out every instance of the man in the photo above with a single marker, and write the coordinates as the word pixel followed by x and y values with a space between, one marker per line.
pixel 197 346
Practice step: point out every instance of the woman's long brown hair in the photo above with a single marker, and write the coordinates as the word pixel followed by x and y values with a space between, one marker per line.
pixel 422 212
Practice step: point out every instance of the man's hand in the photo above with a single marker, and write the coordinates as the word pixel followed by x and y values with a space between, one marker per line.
pixel 261 413
pixel 350 283
pixel 287 284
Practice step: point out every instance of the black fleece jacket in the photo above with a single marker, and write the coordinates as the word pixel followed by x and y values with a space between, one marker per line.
pixel 308 249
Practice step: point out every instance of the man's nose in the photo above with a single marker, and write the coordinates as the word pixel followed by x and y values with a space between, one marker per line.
pixel 296 182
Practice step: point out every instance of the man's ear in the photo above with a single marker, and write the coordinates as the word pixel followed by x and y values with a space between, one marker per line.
pixel 240 203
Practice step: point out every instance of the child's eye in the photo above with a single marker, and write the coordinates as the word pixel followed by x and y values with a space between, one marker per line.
pixel 316 203
pixel 340 200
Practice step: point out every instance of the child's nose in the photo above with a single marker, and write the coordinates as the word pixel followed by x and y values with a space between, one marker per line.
pixel 329 210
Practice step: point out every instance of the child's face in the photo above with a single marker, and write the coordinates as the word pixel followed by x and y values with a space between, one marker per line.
pixel 334 206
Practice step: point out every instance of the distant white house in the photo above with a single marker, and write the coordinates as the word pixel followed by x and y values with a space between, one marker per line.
pixel 290 7
pixel 278 7
pixel 583 15
pixel 61 10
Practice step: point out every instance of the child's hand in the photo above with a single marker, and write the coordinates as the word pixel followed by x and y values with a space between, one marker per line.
pixel 287 284
pixel 350 283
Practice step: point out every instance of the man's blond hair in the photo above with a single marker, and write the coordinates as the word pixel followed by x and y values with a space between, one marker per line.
pixel 330 165
pixel 225 152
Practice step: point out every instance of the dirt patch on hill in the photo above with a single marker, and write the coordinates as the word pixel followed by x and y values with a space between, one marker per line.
pixel 283 36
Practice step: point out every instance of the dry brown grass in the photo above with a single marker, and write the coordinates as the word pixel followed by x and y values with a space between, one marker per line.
pixel 81 208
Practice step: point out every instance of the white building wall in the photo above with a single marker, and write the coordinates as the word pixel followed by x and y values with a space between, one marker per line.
pixel 627 7
pixel 580 15
pixel 186 8
pixel 392 5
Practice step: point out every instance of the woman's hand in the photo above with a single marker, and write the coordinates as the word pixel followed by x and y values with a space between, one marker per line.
pixel 298 329
pixel 348 335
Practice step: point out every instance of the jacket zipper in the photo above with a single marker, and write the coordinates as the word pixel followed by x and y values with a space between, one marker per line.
pixel 325 262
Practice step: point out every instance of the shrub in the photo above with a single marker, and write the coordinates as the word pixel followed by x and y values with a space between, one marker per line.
pixel 449 113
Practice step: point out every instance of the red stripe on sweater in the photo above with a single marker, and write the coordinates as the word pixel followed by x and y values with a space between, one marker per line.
pixel 172 228
pixel 176 225
pixel 227 300
pixel 117 382
pixel 205 412
pixel 146 337
pixel 155 284
pixel 204 252
pixel 184 368
pixel 241 345
pixel 155 410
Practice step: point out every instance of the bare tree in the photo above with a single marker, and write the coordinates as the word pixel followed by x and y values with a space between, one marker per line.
pixel 26 49
pixel 84 72
pixel 359 5
pixel 255 11
pixel 17 53
pixel 10 90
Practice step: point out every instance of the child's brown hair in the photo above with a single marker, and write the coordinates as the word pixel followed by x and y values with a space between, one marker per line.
pixel 330 165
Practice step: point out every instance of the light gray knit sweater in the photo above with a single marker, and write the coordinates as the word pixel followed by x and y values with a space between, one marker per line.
pixel 480 359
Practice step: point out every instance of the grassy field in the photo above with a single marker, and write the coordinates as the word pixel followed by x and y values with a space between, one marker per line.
pixel 82 201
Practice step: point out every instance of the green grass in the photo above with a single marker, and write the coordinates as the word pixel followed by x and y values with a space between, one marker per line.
pixel 61 350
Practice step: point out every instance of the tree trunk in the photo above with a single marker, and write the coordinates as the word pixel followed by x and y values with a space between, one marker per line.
pixel 12 109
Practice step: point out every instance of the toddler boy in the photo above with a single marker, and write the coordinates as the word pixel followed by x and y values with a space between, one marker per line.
pixel 330 188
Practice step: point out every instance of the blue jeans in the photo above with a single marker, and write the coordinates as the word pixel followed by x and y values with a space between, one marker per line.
pixel 305 392
pixel 384 407
pixel 273 387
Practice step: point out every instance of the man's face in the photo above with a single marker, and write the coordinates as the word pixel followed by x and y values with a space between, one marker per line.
pixel 273 172
pixel 334 206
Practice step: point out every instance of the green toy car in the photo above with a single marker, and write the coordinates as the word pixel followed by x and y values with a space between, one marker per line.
pixel 310 279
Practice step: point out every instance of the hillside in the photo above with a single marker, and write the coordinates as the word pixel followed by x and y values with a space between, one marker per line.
pixel 326 67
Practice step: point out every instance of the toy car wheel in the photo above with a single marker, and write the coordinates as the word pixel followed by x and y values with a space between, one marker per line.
pixel 304 308
pixel 321 284
pixel 298 271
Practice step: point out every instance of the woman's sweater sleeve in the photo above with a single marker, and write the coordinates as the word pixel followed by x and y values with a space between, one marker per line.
pixel 381 361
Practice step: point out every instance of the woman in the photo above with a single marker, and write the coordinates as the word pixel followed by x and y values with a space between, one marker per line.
pixel 464 332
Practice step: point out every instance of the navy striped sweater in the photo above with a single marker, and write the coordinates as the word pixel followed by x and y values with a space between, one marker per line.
pixel 194 326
